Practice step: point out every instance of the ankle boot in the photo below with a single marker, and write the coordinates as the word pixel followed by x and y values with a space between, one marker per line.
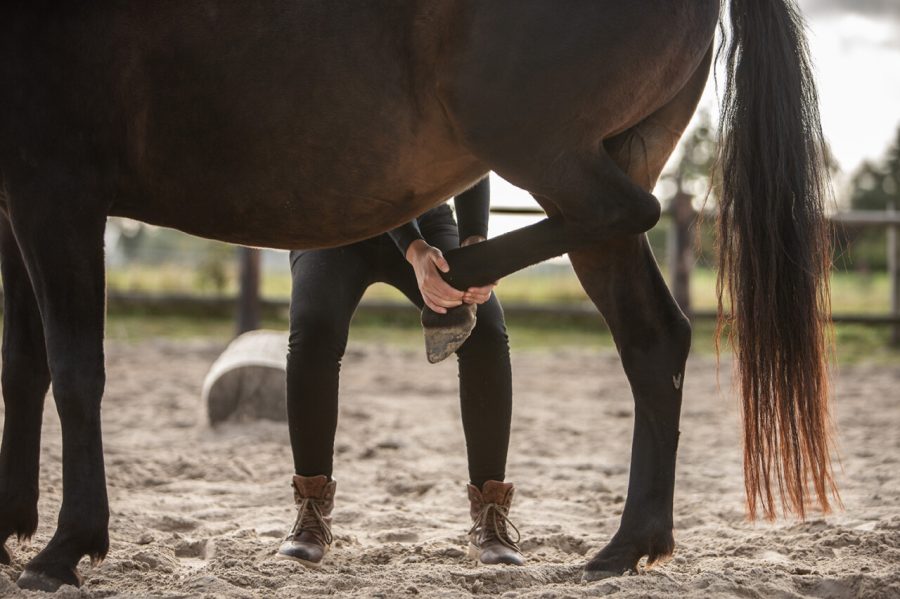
pixel 489 538
pixel 310 539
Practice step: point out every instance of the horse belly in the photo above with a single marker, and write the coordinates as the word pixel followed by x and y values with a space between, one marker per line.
pixel 292 137
pixel 293 203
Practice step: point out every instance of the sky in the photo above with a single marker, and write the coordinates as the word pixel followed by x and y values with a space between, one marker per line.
pixel 855 46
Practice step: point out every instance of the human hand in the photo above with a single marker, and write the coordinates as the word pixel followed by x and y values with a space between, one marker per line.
pixel 428 262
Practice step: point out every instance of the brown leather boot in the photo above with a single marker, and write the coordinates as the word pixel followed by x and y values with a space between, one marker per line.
pixel 489 539
pixel 310 539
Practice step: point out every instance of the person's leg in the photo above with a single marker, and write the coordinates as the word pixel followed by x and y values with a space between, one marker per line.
pixel 326 288
pixel 485 391
pixel 485 375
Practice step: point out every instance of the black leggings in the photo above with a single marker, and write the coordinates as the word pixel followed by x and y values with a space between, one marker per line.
pixel 327 287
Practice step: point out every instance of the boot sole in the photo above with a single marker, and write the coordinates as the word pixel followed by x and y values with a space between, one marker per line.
pixel 475 554
pixel 302 562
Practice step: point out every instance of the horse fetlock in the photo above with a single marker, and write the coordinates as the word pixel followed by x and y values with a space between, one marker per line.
pixel 57 564
pixel 626 549
pixel 18 512
pixel 468 267
pixel 87 536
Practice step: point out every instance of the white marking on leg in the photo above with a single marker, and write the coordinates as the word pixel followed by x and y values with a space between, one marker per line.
pixel 676 380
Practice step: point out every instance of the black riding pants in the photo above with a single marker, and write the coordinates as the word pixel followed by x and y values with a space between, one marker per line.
pixel 327 287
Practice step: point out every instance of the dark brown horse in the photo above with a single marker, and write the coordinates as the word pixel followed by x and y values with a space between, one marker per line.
pixel 308 123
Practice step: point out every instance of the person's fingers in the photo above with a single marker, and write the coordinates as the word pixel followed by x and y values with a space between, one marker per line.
pixel 440 295
pixel 435 307
pixel 446 303
pixel 438 258
pixel 435 285
pixel 478 295
pixel 486 289
pixel 476 299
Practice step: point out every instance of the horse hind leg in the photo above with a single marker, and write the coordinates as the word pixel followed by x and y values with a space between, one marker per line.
pixel 59 228
pixel 25 380
pixel 593 193
pixel 653 338
pixel 601 205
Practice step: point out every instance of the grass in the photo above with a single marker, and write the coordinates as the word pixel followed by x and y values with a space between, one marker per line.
pixel 553 284
pixel 854 343
pixel 851 292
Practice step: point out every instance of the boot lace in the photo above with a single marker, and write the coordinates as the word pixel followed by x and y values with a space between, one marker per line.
pixel 492 523
pixel 310 519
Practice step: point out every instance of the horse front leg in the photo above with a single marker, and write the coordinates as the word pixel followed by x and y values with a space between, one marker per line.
pixel 60 234
pixel 653 338
pixel 25 380
pixel 481 263
pixel 601 203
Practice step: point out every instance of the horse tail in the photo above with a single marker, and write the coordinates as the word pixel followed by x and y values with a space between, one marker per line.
pixel 774 256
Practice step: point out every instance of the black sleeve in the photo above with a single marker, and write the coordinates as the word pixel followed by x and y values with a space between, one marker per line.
pixel 405 235
pixel 473 209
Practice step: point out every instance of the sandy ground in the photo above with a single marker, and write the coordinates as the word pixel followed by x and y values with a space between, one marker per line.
pixel 199 512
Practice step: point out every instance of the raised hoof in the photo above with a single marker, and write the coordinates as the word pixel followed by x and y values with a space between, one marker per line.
pixel 31 580
pixel 445 333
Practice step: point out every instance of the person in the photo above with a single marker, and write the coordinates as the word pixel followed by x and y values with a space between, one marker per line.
pixel 327 287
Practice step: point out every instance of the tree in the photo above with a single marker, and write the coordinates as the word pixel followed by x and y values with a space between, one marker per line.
pixel 875 186
pixel 688 185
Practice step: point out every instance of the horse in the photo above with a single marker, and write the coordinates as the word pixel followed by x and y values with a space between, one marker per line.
pixel 313 123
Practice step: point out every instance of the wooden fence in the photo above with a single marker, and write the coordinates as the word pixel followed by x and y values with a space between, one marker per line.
pixel 681 258
pixel 249 306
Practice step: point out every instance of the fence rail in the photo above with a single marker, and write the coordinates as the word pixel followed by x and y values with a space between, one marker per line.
pixel 248 305
pixel 681 260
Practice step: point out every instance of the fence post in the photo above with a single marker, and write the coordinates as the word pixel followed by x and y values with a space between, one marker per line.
pixel 893 264
pixel 680 251
pixel 248 308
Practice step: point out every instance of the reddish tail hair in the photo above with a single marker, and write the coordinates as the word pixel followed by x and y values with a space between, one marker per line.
pixel 774 256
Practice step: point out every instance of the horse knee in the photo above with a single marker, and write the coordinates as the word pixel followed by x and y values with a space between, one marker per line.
pixel 646 212
pixel 78 390
pixel 23 377
pixel 626 209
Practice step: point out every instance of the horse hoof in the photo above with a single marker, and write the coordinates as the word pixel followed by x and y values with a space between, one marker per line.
pixel 38 581
pixel 31 580
pixel 445 333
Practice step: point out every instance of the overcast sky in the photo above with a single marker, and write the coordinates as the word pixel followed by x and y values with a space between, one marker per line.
pixel 876 8
pixel 856 50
